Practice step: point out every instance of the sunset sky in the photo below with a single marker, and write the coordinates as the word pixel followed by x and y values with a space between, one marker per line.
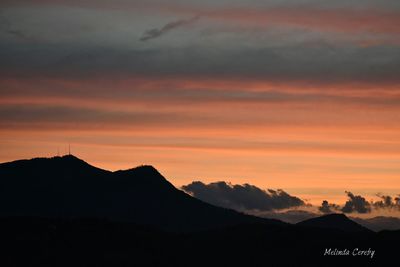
pixel 301 95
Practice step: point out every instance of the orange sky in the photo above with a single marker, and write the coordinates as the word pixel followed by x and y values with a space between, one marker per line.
pixel 303 97
pixel 312 149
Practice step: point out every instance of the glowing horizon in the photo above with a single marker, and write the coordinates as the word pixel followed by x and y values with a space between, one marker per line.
pixel 303 97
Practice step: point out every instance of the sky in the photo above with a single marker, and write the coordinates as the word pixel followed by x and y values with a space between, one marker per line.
pixel 300 95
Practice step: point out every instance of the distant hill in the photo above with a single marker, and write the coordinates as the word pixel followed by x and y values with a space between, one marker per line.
pixel 68 187
pixel 379 223
pixel 334 221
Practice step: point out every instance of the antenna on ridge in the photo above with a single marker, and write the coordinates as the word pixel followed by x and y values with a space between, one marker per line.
pixel 58 151
pixel 69 149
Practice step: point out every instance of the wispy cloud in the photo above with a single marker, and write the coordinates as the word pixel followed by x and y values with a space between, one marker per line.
pixel 6 27
pixel 155 33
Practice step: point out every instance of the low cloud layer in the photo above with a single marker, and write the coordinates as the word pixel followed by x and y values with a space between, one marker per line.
pixel 265 203
pixel 242 197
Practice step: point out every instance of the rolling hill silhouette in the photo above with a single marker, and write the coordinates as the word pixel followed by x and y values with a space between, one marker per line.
pixel 379 223
pixel 68 187
pixel 334 221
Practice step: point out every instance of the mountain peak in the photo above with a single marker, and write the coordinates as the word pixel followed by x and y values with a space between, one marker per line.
pixel 147 168
pixel 71 158
pixel 68 161
pixel 66 158
pixel 70 187
pixel 146 175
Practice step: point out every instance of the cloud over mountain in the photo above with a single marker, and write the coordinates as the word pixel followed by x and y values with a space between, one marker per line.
pixel 242 197
pixel 387 202
pixel 327 207
pixel 358 204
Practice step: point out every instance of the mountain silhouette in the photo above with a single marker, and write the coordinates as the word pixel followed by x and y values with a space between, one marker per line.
pixel 334 221
pixel 62 211
pixel 68 187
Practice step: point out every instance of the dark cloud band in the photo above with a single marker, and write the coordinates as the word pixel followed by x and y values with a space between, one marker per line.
pixel 372 65
pixel 242 197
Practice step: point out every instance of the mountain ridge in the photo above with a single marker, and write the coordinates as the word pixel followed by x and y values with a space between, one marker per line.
pixel 70 187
